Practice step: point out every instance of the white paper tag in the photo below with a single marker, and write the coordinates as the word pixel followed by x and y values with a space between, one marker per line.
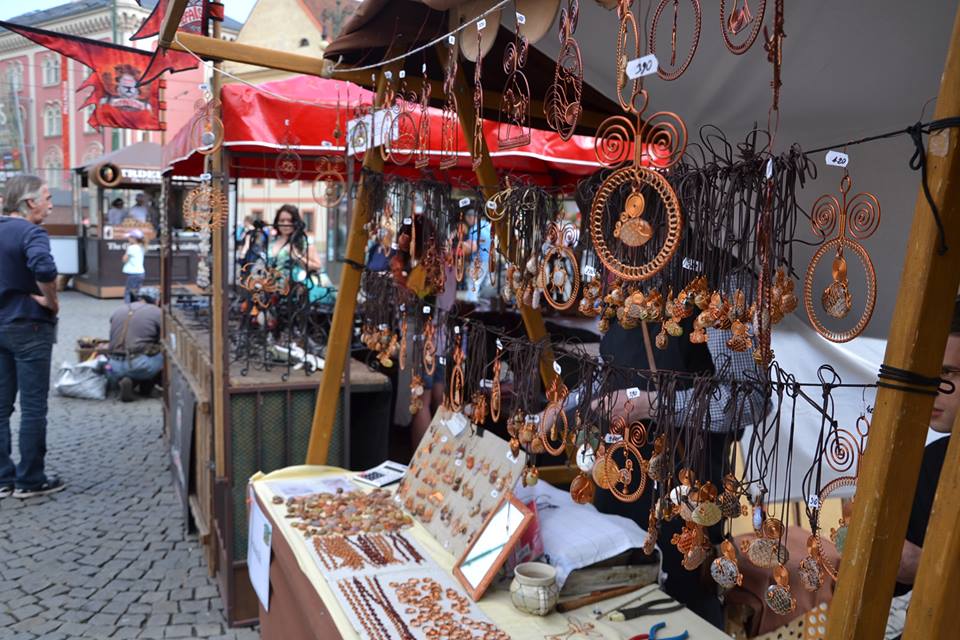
pixel 451 40
pixel 612 438
pixel 837 159
pixel 494 493
pixel 396 497
pixel 813 502
pixel 423 68
pixel 521 19
pixel 644 66
pixel 458 462
pixel 556 367
pixel 388 75
pixel 512 459
pixel 403 307
pixel 259 537
pixel 457 423
pixel 326 144
pixel 589 271
pixel 633 392
pixel 491 205
pixel 456 330
pixel 403 74
pixel 407 221
pixel 533 418
pixel 692 265
pixel 442 360
pixel 481 24
pixel 486 384
pixel 356 331
pixel 499 344
pixel 426 309
pixel 464 202
pixel 769 168
pixel 394 246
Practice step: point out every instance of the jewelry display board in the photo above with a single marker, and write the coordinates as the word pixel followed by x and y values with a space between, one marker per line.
pixel 456 478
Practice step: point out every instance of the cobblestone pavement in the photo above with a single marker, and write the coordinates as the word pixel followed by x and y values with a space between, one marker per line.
pixel 107 557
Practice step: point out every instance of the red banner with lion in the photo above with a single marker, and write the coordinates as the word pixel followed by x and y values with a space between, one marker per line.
pixel 118 98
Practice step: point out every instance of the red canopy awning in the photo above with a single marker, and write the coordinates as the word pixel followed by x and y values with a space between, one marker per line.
pixel 270 119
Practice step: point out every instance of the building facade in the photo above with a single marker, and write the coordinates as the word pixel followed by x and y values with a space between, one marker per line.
pixel 42 128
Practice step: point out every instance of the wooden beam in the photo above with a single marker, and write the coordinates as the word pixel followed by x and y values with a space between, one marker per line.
pixel 932 612
pixel 215 49
pixel 488 181
pixel 171 21
pixel 219 311
pixel 888 475
pixel 341 328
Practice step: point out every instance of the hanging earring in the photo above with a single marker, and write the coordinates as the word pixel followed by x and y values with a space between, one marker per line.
pixel 495 386
pixel 724 569
pixel 778 596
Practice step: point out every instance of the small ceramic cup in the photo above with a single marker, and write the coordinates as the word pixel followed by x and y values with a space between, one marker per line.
pixel 534 588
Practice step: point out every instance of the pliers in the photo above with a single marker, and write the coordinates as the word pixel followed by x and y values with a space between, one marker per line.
pixel 653 634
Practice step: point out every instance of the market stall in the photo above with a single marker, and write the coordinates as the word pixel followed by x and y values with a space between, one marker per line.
pixel 125 189
pixel 688 243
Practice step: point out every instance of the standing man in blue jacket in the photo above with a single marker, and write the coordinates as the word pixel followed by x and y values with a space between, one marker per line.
pixel 28 326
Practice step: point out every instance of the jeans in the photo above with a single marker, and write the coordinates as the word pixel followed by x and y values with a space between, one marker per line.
pixel 139 368
pixel 25 354
pixel 134 282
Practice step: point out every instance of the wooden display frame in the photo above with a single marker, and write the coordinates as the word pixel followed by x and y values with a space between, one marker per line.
pixel 477 592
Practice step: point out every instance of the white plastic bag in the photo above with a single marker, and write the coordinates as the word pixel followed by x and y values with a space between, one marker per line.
pixel 82 380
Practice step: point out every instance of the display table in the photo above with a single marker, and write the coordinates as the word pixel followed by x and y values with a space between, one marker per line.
pixel 303 606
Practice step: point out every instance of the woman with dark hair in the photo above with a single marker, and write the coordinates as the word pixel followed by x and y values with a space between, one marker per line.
pixel 117 212
pixel 290 250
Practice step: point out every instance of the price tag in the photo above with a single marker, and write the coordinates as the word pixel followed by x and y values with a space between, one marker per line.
pixel 533 418
pixel 403 74
pixel 464 202
pixel 837 159
pixel 383 327
pixel 394 246
pixel 407 221
pixel 589 271
pixel 639 67
pixel 521 19
pixel 396 497
pixel 442 360
pixel 206 177
pixel 451 40
pixel 494 493
pixel 481 24
pixel 486 384
pixel 512 459
pixel 356 331
pixel 556 367
pixel 499 344
pixel 458 462
pixel 426 309
pixel 403 307
pixel 769 168
pixel 612 438
pixel 633 392
pixel 491 205
pixel 813 501
pixel 456 330
pixel 388 75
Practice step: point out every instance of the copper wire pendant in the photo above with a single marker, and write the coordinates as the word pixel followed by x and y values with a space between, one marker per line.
pixel 673 70
pixel 858 219
pixel 561 106
pixel 514 113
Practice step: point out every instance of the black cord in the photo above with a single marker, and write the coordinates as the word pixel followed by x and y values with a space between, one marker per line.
pixel 934 386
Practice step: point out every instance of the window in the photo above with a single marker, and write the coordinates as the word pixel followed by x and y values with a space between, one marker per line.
pixel 53 167
pixel 87 113
pixel 308 219
pixel 15 76
pixel 52 120
pixel 51 70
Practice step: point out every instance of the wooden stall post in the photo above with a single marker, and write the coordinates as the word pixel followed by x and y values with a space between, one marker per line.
pixel 338 342
pixel 488 181
pixel 888 476
pixel 932 612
